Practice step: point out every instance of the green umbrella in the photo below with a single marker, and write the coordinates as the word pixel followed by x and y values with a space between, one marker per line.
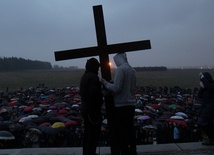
pixel 172 106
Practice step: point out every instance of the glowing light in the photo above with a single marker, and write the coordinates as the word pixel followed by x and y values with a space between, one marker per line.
pixel 109 63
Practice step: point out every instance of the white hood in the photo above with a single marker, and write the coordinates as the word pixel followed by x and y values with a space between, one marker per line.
pixel 120 59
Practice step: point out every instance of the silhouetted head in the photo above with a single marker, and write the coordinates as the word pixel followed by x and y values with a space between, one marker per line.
pixel 208 76
pixel 92 65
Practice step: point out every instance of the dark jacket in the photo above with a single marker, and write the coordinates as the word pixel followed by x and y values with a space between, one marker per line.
pixel 90 90
pixel 207 95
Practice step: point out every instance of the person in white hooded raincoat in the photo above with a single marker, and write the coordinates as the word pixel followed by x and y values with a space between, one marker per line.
pixel 122 88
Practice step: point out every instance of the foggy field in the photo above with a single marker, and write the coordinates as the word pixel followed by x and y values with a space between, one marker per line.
pixel 58 79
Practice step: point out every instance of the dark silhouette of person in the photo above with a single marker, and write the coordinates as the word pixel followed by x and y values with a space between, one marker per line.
pixel 206 115
pixel 92 100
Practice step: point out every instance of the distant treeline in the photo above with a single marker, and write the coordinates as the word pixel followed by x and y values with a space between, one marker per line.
pixel 13 63
pixel 161 68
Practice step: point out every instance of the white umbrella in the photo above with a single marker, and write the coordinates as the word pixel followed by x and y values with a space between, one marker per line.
pixel 177 117
pixel 181 114
pixel 138 111
pixel 6 135
pixel 24 119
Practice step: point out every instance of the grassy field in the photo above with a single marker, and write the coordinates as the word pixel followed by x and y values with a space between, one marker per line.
pixel 187 78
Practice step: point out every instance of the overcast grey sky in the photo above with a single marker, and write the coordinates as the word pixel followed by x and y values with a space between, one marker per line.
pixel 181 31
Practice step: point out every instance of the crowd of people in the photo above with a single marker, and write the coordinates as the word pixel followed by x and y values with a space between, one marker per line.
pixel 44 117
pixel 119 115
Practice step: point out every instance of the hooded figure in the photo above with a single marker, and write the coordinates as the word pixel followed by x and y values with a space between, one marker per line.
pixel 122 135
pixel 124 82
pixel 90 88
pixel 92 65
pixel 206 116
pixel 91 96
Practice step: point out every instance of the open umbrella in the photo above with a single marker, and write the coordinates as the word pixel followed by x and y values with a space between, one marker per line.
pixel 158 99
pixel 45 124
pixel 27 109
pixel 64 119
pixel 181 114
pixel 155 106
pixel 138 111
pixel 35 109
pixel 12 104
pixel 24 119
pixel 33 116
pixel 177 117
pixel 53 107
pixel 150 108
pixel 63 111
pixel 172 106
pixel 22 107
pixel 6 135
pixel 35 130
pixel 71 123
pixel 144 117
pixel 180 122
pixel 149 127
pixel 58 124
pixel 14 99
pixel 75 106
pixel 3 110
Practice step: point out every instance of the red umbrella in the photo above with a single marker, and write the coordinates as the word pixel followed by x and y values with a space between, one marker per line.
pixel 70 123
pixel 63 111
pixel 45 124
pixel 27 109
pixel 154 106
pixel 11 104
pixel 60 116
pixel 180 122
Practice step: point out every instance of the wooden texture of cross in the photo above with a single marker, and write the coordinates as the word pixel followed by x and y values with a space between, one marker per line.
pixel 102 49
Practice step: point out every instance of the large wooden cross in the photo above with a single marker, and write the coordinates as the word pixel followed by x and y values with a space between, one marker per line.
pixel 102 49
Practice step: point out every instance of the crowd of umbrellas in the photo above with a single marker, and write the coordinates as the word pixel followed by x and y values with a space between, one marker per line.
pixel 44 117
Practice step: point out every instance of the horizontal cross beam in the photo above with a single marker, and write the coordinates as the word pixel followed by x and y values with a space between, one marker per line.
pixel 96 51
